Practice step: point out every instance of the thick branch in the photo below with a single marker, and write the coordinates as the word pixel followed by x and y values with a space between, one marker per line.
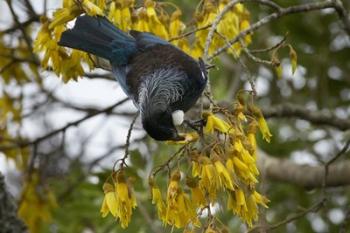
pixel 307 176
pixel 315 117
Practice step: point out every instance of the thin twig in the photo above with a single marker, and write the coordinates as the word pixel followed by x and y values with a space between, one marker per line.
pixel 189 33
pixel 122 161
pixel 166 164
pixel 250 76
pixel 314 208
pixel 343 14
pixel 21 27
pixel 278 44
pixel 254 58
pixel 330 162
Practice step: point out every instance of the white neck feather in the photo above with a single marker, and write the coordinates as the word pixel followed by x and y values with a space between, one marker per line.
pixel 161 88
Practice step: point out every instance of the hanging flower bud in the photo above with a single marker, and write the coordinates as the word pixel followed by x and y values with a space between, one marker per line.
pixel 125 199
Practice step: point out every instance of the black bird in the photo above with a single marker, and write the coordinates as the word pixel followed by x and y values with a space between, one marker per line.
pixel 162 80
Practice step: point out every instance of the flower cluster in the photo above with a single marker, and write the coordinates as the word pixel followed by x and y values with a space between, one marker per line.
pixel 177 209
pixel 154 17
pixel 61 62
pixel 222 164
pixel 119 199
pixel 220 169
pixel 236 20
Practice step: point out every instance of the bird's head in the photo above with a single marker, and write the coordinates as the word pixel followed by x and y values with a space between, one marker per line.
pixel 159 124
pixel 158 98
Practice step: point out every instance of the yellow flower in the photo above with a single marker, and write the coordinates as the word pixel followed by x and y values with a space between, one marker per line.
pixel 184 45
pixel 114 14
pixel 239 111
pixel 120 14
pixel 101 4
pixel 158 201
pixel 293 58
pixel 264 129
pixel 189 137
pixel 142 21
pixel 243 26
pixel 252 214
pixel 246 157
pixel 230 166
pixel 176 26
pixel 63 15
pixel 240 199
pixel 215 123
pixel 126 15
pixel 237 203
pixel 239 8
pixel 229 28
pixel 252 202
pixel 196 50
pixel 197 194
pixel 205 18
pixel 71 67
pixel 209 177
pixel 125 199
pixel 251 136
pixel 46 42
pixel 242 168
pixel 43 36
pixel 179 211
pixel 68 3
pixel 260 199
pixel 119 199
pixel 109 202
pixel 91 9
pixel 225 177
pixel 155 24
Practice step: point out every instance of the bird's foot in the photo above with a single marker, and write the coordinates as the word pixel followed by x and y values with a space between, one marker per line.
pixel 196 125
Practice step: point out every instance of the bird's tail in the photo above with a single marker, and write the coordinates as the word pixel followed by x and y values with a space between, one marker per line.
pixel 98 36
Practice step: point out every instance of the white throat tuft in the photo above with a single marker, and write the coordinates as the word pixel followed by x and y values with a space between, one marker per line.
pixel 178 117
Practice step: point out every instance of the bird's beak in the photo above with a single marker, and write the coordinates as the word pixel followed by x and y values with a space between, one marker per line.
pixel 178 138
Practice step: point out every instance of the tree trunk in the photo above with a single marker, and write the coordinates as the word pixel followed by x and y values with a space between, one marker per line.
pixel 9 222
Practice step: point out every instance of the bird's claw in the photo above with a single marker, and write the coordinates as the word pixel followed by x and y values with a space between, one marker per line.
pixel 196 125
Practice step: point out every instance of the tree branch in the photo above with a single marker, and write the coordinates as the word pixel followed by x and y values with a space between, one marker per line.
pixel 107 110
pixel 343 14
pixel 289 110
pixel 23 24
pixel 267 228
pixel 315 117
pixel 284 170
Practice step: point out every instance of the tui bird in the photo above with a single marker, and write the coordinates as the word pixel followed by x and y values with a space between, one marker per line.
pixel 163 81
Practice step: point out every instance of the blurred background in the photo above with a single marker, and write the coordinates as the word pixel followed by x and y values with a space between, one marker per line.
pixel 308 114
